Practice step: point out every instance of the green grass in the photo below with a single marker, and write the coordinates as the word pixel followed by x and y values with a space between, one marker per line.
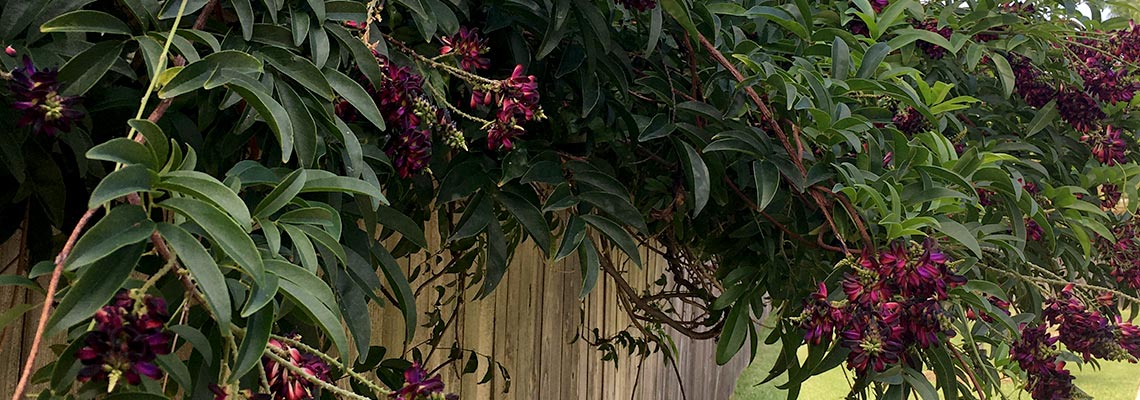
pixel 1114 381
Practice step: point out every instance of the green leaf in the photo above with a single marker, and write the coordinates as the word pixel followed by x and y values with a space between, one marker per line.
pixel 588 258
pixel 959 233
pixel 270 110
pixel 1005 72
pixel 204 187
pixel 156 141
pixel 124 225
pixel 1043 118
pixel 616 235
pixel 530 217
pixel 732 337
pixel 680 12
pixel 698 174
pixel 871 60
pixel 257 331
pixel 15 312
pixel 496 259
pixel 326 240
pixel 196 339
pixel 86 68
pixel 86 21
pixel 244 11
pixel 21 281
pixel 304 125
pixel 840 59
pixel 344 184
pixel 176 369
pixel 572 237
pixel 95 287
pixel 409 229
pixel 129 179
pixel 281 195
pixel 171 9
pixel 298 276
pixel 301 70
pixel 356 96
pixel 303 249
pixel 223 232
pixel 616 206
pixel 403 290
pixel 204 271
pixel 767 178
pixel 261 295
pixel 476 215
pixel 361 53
pixel 920 384
pixel 124 151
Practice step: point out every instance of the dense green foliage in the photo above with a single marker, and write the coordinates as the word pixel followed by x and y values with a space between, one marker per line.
pixel 943 169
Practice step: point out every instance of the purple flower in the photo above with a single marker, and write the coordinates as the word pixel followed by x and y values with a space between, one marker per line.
pixel 1110 196
pixel 417 386
pixel 909 121
pixel 128 335
pixel 1079 109
pixel 1109 148
pixel 985 197
pixel 469 47
pixel 36 93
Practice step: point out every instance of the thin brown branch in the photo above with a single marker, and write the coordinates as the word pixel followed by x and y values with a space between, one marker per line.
pixel 53 284
pixel 969 373
pixel 658 315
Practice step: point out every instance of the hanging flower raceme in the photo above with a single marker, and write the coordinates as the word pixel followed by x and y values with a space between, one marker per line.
pixel 1029 85
pixel 1108 147
pixel 1036 353
pixel 284 383
pixel 417 386
pixel 407 112
pixel 1109 196
pixel 469 47
pixel 129 333
pixel 893 303
pixel 36 93
pixel 517 98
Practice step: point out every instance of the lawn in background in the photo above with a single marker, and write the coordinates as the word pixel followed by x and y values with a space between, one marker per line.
pixel 1114 381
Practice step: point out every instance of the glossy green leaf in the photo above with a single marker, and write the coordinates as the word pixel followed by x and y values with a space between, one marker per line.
pixel 588 259
pixel 86 21
pixel 529 216
pixel 154 138
pixel 1005 72
pixel 617 235
pixel 223 232
pixel 355 95
pixel 123 226
pixel 95 287
pixel 85 69
pixel 281 195
pixel 257 330
pixel 398 281
pixel 301 70
pixel 203 269
pixel 270 110
pixel 496 259
pixel 206 188
pixel 343 184
pixel 767 178
pixel 698 174
pixel 124 151
pixel 840 59
pixel 871 60
pixel 409 229
pixel 304 125
pixel 130 179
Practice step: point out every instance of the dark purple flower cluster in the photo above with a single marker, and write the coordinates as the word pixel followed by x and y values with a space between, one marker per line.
pixel 893 302
pixel 1078 109
pixel 469 47
pixel 932 50
pixel 1022 8
pixel 1109 196
pixel 517 98
pixel 1083 331
pixel 985 197
pixel 1123 254
pixel 1109 147
pixel 1036 354
pixel 128 335
pixel 638 5
pixel 1001 305
pixel 1033 231
pixel 398 96
pixel 36 94
pixel 1107 81
pixel 909 120
pixel 285 384
pixel 1029 85
pixel 417 386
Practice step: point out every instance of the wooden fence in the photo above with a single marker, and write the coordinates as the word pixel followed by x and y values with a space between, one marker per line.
pixel 528 324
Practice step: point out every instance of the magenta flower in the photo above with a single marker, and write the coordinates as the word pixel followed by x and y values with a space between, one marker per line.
pixel 285 384
pixel 469 47
pixel 417 386
pixel 909 121
pixel 1109 148
pixel 638 5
